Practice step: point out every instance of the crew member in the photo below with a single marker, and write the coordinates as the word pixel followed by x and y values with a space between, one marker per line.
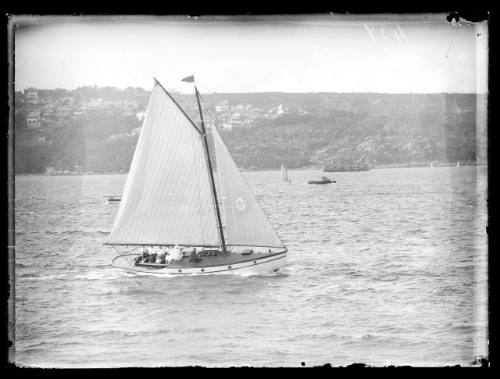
pixel 145 255
pixel 176 253
pixel 193 257
pixel 161 256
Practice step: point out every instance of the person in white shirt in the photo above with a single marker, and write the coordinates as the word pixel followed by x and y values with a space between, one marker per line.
pixel 176 253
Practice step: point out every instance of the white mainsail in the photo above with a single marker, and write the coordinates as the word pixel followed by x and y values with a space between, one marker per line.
pixel 246 223
pixel 167 198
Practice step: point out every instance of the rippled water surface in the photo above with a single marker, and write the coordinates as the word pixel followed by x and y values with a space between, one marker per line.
pixel 383 266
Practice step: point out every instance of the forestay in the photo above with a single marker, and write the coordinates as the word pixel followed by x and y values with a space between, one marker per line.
pixel 246 223
pixel 167 197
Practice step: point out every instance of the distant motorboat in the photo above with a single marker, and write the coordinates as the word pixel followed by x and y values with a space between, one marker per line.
pixel 324 180
pixel 113 199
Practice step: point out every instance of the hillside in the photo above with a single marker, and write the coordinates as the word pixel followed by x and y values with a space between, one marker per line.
pixel 262 130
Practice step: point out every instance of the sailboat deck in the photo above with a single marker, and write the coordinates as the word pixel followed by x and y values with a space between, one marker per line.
pixel 209 261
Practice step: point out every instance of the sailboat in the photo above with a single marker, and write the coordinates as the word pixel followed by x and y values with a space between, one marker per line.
pixel 284 174
pixel 186 209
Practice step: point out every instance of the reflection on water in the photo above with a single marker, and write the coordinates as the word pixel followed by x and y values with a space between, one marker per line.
pixel 384 265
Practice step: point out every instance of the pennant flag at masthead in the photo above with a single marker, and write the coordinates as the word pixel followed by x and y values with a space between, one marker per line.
pixel 189 79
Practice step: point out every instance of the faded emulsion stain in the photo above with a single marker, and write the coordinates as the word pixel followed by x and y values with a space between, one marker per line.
pixel 459 18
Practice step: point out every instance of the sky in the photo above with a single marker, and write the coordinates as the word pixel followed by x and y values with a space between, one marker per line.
pixel 309 53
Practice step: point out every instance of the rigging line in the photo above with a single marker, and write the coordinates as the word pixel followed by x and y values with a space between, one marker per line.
pixel 213 126
pixel 214 192
pixel 206 108
pixel 201 204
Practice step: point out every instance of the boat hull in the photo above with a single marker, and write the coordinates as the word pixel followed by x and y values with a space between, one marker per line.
pixel 321 181
pixel 113 199
pixel 246 266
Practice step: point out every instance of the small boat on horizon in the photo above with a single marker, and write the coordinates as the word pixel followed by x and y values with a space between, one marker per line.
pixel 111 199
pixel 324 180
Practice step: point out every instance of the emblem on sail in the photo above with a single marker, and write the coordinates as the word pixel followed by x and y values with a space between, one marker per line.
pixel 241 204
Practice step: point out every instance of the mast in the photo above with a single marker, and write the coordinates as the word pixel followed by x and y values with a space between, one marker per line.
pixel 217 211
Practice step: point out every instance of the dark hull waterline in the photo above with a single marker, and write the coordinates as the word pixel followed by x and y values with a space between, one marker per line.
pixel 321 181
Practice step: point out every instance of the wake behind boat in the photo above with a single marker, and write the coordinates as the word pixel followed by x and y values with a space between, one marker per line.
pixel 182 211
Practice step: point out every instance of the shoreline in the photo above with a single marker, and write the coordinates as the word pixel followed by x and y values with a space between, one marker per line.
pixel 377 167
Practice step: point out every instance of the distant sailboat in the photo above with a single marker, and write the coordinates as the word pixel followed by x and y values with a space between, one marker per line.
pixel 284 174
pixel 186 212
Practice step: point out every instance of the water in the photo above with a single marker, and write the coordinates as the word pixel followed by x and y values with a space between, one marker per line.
pixel 383 266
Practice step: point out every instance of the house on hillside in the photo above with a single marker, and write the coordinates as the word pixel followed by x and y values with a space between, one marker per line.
pixel 63 111
pixel 130 109
pixel 68 100
pixel 48 116
pixel 31 96
pixel 140 115
pixel 238 108
pixel 275 112
pixel 136 131
pixel 95 102
pixel 254 114
pixel 33 120
pixel 48 113
pixel 77 113
pixel 222 107
pixel 237 123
